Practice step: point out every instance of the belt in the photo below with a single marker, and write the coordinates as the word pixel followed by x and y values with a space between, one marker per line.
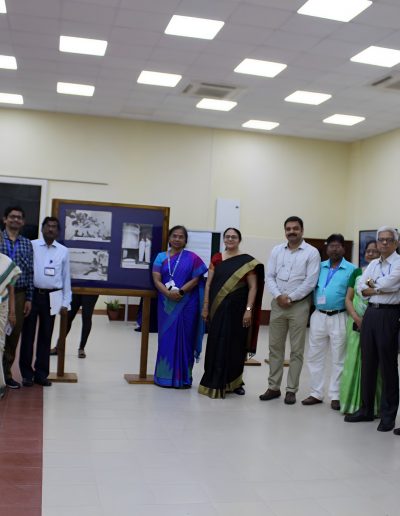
pixel 332 312
pixel 46 290
pixel 382 305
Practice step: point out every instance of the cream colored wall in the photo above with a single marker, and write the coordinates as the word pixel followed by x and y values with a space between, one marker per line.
pixel 185 168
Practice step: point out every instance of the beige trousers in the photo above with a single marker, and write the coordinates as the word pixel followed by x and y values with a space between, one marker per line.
pixel 292 320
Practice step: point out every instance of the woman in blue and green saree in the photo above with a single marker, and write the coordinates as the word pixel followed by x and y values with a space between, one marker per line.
pixel 178 277
pixel 232 306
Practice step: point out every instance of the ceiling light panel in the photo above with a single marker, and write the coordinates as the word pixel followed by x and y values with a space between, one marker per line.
pixel 8 62
pixel 308 97
pixel 343 119
pixel 217 105
pixel 338 10
pixel 190 27
pixel 259 67
pixel 69 88
pixel 378 56
pixel 169 80
pixel 263 125
pixel 11 98
pixel 93 47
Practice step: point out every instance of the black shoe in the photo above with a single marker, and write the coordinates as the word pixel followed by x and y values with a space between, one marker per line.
pixel 12 384
pixel 44 383
pixel 270 394
pixel 290 398
pixel 240 391
pixel 54 351
pixel 335 405
pixel 396 431
pixel 385 427
pixel 358 417
pixel 26 382
pixel 81 353
pixel 311 400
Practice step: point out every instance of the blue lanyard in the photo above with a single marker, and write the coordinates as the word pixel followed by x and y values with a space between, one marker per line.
pixel 331 273
pixel 11 250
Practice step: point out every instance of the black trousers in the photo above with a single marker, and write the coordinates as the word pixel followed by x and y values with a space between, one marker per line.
pixel 379 348
pixel 40 311
pixel 87 302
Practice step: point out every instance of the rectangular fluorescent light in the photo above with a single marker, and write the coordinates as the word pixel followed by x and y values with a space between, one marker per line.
pixel 92 47
pixel 3 8
pixel 159 79
pixel 308 97
pixel 260 124
pixel 261 68
pixel 11 98
pixel 69 88
pixel 217 105
pixel 343 119
pixel 8 62
pixel 378 56
pixel 338 10
pixel 189 27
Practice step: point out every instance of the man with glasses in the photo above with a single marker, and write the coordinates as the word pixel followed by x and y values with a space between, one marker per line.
pixel 328 323
pixel 380 283
pixel 292 274
pixel 19 249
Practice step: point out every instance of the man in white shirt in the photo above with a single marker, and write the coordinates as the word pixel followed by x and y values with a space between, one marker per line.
pixel 293 270
pixel 380 283
pixel 51 273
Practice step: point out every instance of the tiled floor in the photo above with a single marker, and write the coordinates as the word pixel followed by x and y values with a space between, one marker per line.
pixel 111 448
pixel 21 431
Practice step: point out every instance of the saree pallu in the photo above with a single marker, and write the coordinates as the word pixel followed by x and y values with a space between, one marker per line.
pixel 228 341
pixel 350 381
pixel 180 326
pixel 9 273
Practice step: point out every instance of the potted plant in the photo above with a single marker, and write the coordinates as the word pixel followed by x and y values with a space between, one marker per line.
pixel 113 309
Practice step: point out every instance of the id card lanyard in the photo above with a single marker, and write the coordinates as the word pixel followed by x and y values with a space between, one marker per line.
pixel 322 299
pixel 11 250
pixel 171 274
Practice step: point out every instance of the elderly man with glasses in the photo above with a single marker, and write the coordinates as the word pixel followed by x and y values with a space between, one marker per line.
pixel 380 283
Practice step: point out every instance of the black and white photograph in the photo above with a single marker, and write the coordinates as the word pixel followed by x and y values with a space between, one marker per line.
pixel 89 264
pixel 88 225
pixel 136 245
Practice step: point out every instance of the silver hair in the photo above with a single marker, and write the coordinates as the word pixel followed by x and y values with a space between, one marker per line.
pixel 394 232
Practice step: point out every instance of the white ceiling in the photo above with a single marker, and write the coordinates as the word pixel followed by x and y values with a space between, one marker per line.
pixel 316 51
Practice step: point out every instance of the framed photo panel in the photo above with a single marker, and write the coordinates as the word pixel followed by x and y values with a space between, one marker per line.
pixel 111 246
pixel 364 238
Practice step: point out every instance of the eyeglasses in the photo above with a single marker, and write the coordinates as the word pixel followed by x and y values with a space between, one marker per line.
pixel 16 217
pixel 386 240
pixel 231 237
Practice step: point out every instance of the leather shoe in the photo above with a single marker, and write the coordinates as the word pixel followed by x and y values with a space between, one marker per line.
pixel 385 427
pixel 240 391
pixel 358 417
pixel 290 398
pixel 26 382
pixel 44 383
pixel 54 351
pixel 311 401
pixel 396 431
pixel 81 353
pixel 269 394
pixel 335 405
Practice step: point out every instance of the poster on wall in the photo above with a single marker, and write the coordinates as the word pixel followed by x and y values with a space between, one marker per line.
pixel 111 245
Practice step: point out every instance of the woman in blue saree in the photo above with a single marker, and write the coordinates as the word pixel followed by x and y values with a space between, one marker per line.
pixel 178 277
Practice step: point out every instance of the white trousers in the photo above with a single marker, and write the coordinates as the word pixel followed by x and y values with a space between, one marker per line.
pixel 326 331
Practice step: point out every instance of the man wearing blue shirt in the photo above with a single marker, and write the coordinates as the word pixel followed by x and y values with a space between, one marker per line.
pixel 51 278
pixel 328 323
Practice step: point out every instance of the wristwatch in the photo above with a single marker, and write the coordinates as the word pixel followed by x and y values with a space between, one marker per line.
pixel 181 292
pixel 249 308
